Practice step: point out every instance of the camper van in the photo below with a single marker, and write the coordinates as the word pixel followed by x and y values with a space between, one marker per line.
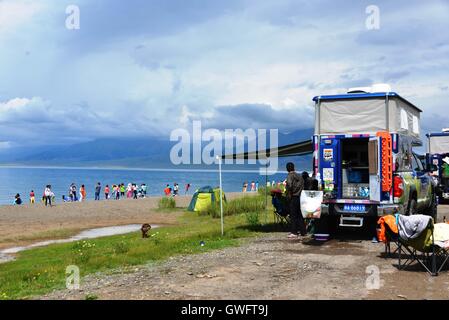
pixel 437 158
pixel 364 157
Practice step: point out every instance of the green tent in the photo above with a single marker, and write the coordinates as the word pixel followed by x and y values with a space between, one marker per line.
pixel 205 197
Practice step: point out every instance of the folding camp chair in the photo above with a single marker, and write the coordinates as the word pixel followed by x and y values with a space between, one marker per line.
pixel 423 249
pixel 391 237
pixel 280 207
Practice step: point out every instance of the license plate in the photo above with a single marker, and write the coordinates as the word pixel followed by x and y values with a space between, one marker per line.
pixel 354 208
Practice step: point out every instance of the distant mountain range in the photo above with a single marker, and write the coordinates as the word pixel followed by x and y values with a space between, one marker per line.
pixel 137 152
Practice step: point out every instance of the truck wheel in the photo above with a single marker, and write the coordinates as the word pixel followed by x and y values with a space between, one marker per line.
pixel 412 207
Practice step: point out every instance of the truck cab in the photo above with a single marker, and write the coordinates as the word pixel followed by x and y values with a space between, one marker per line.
pixel 364 157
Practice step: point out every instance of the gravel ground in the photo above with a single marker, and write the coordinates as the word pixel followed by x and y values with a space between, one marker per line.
pixel 270 267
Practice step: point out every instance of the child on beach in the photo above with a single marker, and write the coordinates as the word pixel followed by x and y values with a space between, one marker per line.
pixel 106 192
pixel 187 187
pixel 17 200
pixel 82 193
pixel 167 190
pixel 32 196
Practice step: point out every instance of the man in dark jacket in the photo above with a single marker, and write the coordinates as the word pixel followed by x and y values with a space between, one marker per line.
pixel 294 187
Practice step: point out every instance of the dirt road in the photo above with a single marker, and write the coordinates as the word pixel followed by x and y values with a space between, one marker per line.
pixel 272 267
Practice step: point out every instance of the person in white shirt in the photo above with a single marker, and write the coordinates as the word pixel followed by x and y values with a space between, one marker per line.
pixel 48 194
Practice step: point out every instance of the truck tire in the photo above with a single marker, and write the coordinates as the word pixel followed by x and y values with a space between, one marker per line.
pixel 412 207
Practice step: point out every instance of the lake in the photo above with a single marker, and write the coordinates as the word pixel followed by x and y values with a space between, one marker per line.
pixel 24 179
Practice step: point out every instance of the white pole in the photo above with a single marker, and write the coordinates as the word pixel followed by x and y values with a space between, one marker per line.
pixel 221 195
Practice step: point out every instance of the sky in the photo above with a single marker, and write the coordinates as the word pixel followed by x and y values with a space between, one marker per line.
pixel 144 68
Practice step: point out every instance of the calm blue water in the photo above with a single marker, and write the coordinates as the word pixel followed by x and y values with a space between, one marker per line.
pixel 23 180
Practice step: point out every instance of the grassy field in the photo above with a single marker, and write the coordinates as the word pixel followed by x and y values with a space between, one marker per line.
pixel 39 271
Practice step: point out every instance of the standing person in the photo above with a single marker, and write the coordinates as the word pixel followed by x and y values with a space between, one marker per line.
pixel 48 195
pixel 187 187
pixel 32 196
pixel 257 186
pixel 70 193
pixel 253 186
pixel 122 190
pixel 73 191
pixel 97 191
pixel 294 187
pixel 167 190
pixel 144 189
pixel 175 189
pixel 106 192
pixel 245 186
pixel 82 192
pixel 307 181
pixel 314 185
pixel 134 190
pixel 129 191
pixel 117 192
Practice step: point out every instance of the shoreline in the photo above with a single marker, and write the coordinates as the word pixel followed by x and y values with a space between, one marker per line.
pixel 119 168
pixel 23 225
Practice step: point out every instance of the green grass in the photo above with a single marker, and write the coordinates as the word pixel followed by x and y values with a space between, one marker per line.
pixel 39 271
pixel 246 204
pixel 166 203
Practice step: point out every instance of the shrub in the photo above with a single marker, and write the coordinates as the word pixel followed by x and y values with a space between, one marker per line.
pixel 121 247
pixel 252 218
pixel 167 203
pixel 82 251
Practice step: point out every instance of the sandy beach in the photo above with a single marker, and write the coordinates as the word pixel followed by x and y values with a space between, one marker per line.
pixel 22 225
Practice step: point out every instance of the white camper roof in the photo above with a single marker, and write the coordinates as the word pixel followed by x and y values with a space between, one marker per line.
pixel 363 113
pixel 438 143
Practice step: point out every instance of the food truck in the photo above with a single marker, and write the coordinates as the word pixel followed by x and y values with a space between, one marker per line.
pixel 364 156
pixel 438 157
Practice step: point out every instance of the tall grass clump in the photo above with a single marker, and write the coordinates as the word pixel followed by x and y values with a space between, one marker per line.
pixel 167 203
pixel 244 205
pixel 236 206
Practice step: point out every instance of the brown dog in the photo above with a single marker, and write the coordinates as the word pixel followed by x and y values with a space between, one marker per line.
pixel 146 227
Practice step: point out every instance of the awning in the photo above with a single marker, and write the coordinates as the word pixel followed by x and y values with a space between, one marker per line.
pixel 296 149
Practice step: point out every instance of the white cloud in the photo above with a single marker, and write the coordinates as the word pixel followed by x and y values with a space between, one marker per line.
pixel 135 77
pixel 14 13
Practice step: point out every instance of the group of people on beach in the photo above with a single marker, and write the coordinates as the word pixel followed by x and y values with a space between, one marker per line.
pixel 254 186
pixel 115 191
pixel 174 191
pixel 47 197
